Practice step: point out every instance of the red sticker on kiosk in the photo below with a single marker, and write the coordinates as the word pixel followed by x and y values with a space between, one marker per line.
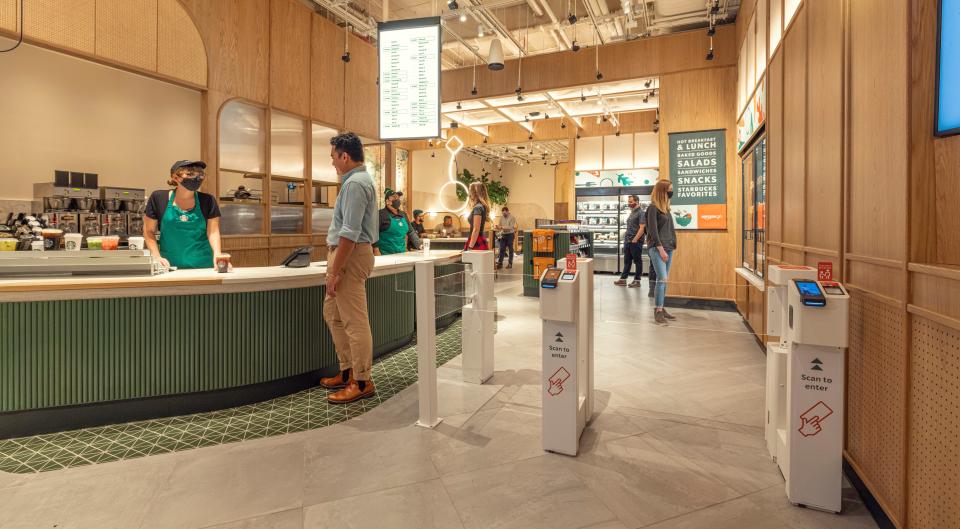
pixel 825 271
pixel 571 261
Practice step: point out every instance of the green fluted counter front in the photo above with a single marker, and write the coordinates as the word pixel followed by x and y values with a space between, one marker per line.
pixel 66 363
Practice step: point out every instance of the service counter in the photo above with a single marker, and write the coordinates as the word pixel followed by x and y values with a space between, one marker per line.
pixel 83 351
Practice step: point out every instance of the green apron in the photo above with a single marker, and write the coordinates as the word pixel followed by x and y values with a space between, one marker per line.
pixel 183 236
pixel 394 238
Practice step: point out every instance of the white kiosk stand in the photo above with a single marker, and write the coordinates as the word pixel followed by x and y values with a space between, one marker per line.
pixel 817 335
pixel 566 308
pixel 479 322
pixel 780 277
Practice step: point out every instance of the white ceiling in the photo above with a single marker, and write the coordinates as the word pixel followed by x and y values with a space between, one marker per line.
pixel 530 27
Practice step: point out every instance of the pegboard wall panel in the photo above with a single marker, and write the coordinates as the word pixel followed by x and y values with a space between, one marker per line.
pixel 934 481
pixel 180 51
pixel 9 15
pixel 68 24
pixel 127 32
pixel 876 378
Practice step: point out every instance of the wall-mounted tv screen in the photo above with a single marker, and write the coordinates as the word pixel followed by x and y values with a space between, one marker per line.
pixel 948 69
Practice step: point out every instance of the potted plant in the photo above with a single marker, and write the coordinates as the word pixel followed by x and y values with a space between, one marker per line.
pixel 497 192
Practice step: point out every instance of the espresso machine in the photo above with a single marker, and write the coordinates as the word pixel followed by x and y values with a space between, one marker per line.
pixel 66 197
pixel 123 211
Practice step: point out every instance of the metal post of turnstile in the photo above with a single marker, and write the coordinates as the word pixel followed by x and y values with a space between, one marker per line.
pixel 426 344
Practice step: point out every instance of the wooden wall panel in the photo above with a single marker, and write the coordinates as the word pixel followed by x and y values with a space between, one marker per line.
pixel 936 290
pixel 933 488
pixel 237 34
pixel 877 129
pixel 630 60
pixel 564 190
pixel 360 89
pixel 877 278
pixel 876 398
pixel 126 32
pixel 180 50
pixel 923 172
pixel 948 196
pixel 775 149
pixel 824 168
pixel 794 130
pixel 326 72
pixel 701 100
pixel 74 28
pixel 290 28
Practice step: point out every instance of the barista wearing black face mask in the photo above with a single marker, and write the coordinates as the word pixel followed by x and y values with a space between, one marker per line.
pixel 187 220
pixel 395 230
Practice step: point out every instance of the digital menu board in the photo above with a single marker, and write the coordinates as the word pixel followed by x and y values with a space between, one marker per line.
pixel 409 53
pixel 948 69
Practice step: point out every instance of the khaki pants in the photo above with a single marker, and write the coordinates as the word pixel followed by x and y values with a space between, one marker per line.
pixel 346 314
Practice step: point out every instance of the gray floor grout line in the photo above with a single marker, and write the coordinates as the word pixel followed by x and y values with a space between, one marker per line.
pixel 712 505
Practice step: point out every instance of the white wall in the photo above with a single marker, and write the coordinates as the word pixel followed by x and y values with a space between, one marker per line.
pixel 531 192
pixel 429 174
pixel 60 112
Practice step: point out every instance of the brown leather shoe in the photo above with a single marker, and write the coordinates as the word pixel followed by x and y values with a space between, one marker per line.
pixel 352 393
pixel 338 381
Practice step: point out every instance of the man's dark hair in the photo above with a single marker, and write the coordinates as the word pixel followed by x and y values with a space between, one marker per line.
pixel 445 217
pixel 349 143
pixel 635 198
pixel 504 208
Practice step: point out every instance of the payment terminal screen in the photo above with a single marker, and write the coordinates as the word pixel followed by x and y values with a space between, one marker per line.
pixel 809 288
pixel 567 276
pixel 833 290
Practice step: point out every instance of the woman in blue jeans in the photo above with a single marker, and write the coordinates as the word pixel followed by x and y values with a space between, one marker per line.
pixel 662 242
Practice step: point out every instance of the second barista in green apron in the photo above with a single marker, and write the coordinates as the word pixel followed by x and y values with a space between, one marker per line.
pixel 395 229
pixel 188 221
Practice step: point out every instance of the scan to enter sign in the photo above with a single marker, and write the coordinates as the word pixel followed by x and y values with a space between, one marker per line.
pixel 816 382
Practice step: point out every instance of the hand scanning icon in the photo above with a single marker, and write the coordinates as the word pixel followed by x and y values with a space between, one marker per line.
pixel 810 427
pixel 810 420
pixel 556 381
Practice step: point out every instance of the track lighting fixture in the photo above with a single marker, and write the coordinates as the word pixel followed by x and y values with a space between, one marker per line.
pixel 575 46
pixel 459 106
pixel 582 97
pixel 563 124
pixel 485 139
pixel 345 57
pixel 647 84
pixel 599 75
pixel 617 133
pixel 454 125
pixel 715 7
pixel 474 91
pixel 453 5
pixel 646 99
pixel 712 30
pixel 546 116
pixel 572 19
pixel 578 135
pixel 710 54
pixel 530 137
pixel 519 93
pixel 433 155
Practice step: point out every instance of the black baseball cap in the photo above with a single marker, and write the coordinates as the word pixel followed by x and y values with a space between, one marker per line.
pixel 187 163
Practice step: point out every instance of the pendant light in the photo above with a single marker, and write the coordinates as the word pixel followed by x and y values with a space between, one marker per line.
pixel 495 57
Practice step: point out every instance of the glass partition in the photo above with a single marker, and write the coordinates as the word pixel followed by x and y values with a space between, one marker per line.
pixel 242 168
pixel 287 154
pixel 754 207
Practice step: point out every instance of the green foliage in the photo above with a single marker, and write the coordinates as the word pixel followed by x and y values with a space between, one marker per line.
pixel 497 192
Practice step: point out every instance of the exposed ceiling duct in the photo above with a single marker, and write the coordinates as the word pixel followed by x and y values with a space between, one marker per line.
pixel 529 27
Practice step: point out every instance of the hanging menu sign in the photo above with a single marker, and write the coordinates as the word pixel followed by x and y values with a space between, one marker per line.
pixel 409 53
pixel 698 171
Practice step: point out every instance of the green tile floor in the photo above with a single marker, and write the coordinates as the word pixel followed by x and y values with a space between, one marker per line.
pixel 306 410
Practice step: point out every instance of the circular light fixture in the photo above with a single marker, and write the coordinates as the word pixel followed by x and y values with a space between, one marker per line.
pixel 463 17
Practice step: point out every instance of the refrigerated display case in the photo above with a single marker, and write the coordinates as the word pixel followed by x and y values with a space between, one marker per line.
pixel 604 212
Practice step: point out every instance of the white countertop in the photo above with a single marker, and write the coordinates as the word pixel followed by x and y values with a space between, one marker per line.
pixel 198 281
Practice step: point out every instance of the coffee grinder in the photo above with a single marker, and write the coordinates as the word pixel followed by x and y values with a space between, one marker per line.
pixel 123 208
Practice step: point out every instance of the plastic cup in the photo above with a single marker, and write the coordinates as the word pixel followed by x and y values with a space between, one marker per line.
pixel 223 262
pixel 72 241
pixel 51 238
pixel 135 243
pixel 110 242
pixel 95 243
pixel 36 246
pixel 8 245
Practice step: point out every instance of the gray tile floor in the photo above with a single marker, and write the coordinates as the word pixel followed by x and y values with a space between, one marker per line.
pixel 676 444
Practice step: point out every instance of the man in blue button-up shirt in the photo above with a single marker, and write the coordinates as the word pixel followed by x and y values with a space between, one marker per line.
pixel 352 233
